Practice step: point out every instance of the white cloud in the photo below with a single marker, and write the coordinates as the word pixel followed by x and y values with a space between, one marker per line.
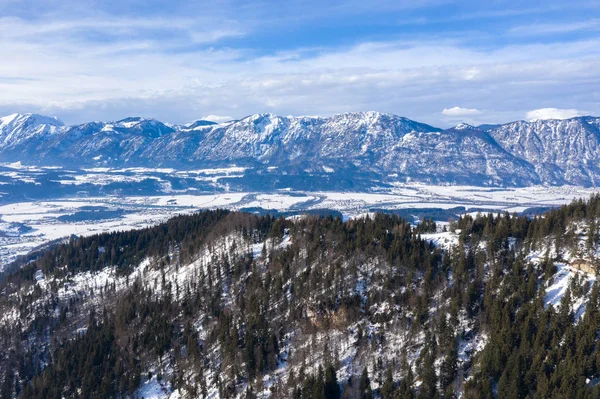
pixel 217 118
pixel 553 113
pixel 458 111
pixel 543 29
pixel 178 69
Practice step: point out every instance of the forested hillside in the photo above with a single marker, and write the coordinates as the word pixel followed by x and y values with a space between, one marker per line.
pixel 227 304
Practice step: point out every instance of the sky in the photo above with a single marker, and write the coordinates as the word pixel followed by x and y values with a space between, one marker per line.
pixel 440 62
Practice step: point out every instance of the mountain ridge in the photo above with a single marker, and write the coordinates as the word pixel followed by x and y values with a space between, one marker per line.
pixel 520 153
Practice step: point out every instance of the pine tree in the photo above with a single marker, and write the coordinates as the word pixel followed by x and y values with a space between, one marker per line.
pixel 405 391
pixel 449 367
pixel 332 388
pixel 365 385
pixel 388 388
pixel 7 384
pixel 592 237
pixel 428 388
pixel 319 386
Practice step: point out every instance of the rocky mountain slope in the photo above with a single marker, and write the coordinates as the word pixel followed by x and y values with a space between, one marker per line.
pixel 387 147
pixel 562 151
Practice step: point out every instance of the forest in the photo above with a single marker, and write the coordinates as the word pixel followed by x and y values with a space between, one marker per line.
pixel 233 304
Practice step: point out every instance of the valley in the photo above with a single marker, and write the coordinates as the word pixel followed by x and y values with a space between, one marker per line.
pixel 85 202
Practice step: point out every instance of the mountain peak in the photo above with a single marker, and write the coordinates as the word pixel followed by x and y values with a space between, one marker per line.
pixel 259 116
pixel 136 120
pixel 464 126
pixel 131 119
pixel 367 115
pixel 17 129
pixel 200 123
pixel 30 119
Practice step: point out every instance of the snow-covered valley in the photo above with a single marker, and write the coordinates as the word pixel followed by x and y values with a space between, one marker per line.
pixel 86 202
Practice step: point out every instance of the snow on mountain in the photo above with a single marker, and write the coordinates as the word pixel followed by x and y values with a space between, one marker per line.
pixel 17 129
pixel 463 126
pixel 146 127
pixel 200 124
pixel 376 144
pixel 562 151
pixel 462 155
pixel 115 141
pixel 349 140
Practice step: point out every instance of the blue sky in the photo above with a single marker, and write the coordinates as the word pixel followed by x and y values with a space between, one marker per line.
pixel 440 62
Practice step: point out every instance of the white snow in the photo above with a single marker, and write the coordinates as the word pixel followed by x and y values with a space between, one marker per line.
pixel 445 240
pixel 142 211
pixel 154 389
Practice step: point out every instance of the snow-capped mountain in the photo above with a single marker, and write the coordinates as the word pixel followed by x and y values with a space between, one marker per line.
pixel 199 123
pixel 463 155
pixel 279 141
pixel 562 151
pixel 385 146
pixel 20 129
pixel 43 140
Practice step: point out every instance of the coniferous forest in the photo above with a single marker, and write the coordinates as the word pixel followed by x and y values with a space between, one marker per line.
pixel 228 304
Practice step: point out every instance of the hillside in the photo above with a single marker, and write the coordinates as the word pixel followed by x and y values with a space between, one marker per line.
pixel 228 304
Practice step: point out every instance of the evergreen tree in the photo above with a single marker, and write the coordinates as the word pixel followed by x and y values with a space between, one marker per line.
pixel 388 389
pixel 332 388
pixel 365 391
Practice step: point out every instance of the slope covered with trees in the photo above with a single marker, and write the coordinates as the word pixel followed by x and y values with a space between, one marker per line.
pixel 238 305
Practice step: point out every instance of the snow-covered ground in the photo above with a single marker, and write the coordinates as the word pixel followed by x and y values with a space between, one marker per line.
pixel 28 224
pixel 445 239
pixel 562 280
pixel 471 339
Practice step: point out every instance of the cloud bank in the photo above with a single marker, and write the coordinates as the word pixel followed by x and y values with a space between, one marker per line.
pixel 553 113
pixel 458 111
pixel 107 60
pixel 217 118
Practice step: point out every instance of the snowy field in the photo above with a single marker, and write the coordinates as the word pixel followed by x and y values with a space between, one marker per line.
pixel 43 204
pixel 29 224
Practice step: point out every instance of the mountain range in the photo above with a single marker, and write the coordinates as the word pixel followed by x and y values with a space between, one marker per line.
pixel 385 146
